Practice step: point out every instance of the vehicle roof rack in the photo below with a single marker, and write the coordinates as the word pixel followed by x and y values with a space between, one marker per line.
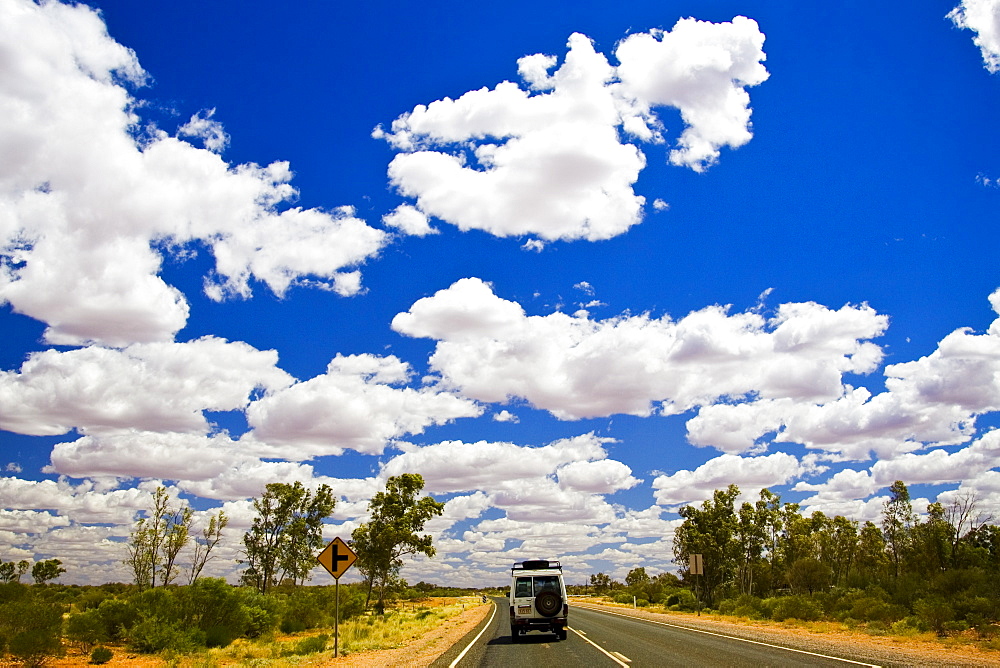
pixel 536 565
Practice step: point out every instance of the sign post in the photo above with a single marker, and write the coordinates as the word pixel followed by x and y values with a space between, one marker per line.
pixel 696 566
pixel 336 558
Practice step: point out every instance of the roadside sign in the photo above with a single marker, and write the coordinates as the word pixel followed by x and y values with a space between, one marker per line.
pixel 695 565
pixel 337 557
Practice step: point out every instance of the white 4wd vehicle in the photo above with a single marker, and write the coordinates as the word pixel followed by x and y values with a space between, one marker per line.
pixel 537 598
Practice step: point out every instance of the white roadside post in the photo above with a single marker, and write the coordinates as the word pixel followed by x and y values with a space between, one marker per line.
pixel 336 558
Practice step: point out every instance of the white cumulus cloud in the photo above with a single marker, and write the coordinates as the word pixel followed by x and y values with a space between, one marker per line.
pixel 357 404
pixel 577 367
pixel 87 205
pixel 983 18
pixel 548 160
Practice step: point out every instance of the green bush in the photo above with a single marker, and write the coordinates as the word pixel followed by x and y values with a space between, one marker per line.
pixel 117 617
pixel 101 655
pixel 32 627
pixel 311 645
pixel 682 599
pixel 154 635
pixel 935 612
pixel 87 627
pixel 215 608
pixel 305 609
pixel 798 606
pixel 743 606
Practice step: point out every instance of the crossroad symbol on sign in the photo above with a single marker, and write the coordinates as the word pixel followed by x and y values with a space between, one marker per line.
pixel 337 557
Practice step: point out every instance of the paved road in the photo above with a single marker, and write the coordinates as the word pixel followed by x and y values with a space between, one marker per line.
pixel 598 639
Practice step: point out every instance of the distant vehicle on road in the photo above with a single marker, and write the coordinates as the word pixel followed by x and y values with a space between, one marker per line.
pixel 537 598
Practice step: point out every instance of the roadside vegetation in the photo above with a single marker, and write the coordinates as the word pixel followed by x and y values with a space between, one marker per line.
pixel 910 575
pixel 211 619
pixel 155 614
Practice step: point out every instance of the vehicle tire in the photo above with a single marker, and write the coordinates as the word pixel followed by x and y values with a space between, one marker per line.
pixel 548 604
pixel 563 634
pixel 515 636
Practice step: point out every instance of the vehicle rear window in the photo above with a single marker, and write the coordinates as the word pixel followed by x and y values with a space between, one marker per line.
pixel 522 587
pixel 546 582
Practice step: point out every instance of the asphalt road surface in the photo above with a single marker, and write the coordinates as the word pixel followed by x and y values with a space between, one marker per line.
pixel 598 639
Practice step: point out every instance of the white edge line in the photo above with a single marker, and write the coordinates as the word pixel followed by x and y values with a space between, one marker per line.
pixel 609 654
pixel 723 635
pixel 469 646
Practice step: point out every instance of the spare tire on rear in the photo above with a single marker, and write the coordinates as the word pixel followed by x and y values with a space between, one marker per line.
pixel 548 603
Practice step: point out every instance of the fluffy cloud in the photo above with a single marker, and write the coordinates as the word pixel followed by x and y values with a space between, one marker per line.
pixel 564 479
pixel 576 367
pixel 84 503
pixel 548 160
pixel 751 474
pixel 152 386
pixel 940 466
pixel 702 69
pixel 983 18
pixel 409 220
pixel 84 202
pixel 933 400
pixel 354 406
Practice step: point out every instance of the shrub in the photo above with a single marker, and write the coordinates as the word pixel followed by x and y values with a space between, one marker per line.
pixel 33 628
pixel 155 635
pixel 793 607
pixel 743 606
pixel 87 627
pixel 682 599
pixel 311 645
pixel 117 617
pixel 935 611
pixel 305 609
pixel 259 621
pixel 216 608
pixel 101 655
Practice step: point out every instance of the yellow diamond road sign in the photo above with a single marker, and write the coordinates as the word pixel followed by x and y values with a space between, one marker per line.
pixel 337 557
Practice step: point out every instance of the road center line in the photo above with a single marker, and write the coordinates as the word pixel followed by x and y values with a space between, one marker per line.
pixel 469 646
pixel 723 635
pixel 606 652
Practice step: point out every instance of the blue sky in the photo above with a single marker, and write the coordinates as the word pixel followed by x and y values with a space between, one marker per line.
pixel 578 264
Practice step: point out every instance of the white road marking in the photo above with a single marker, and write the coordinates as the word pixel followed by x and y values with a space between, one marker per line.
pixel 606 652
pixel 622 657
pixel 469 646
pixel 723 635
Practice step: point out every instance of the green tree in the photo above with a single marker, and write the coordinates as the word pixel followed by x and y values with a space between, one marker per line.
pixel 43 571
pixel 601 582
pixel 872 560
pixel 933 542
pixel 286 534
pixel 808 574
pixel 156 540
pixel 211 536
pixel 636 577
pixel 751 537
pixel 843 548
pixel 397 516
pixel 897 524
pixel 11 571
pixel 710 531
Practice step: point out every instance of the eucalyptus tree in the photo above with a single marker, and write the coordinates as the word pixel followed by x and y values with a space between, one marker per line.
pixel 397 517
pixel 710 530
pixel 286 534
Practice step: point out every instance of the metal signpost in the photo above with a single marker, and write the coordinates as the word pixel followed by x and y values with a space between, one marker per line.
pixel 696 566
pixel 336 559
